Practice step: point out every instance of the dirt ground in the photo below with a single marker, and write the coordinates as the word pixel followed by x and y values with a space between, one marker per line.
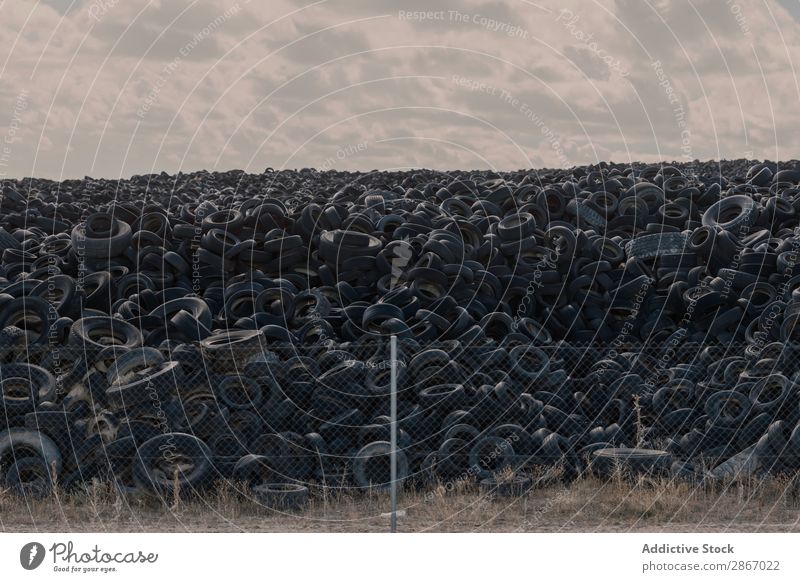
pixel 586 505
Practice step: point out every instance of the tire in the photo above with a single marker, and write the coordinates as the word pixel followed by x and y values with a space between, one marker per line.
pixel 465 432
pixel 133 362
pixel 728 408
pixel 57 424
pixel 702 241
pixel 343 374
pixel 277 303
pixel 649 193
pixel 7 241
pixel 95 291
pixel 775 446
pixel 29 477
pixel 529 363
pixel 240 393
pixel 335 246
pixel 588 212
pixel 228 351
pixel 59 291
pixel 490 456
pixel 219 241
pixel 281 496
pixel 102 236
pixel 22 310
pixel 733 213
pixel 378 313
pixel 22 442
pixel 93 334
pixel 516 226
pixel 688 472
pixel 771 392
pixel 154 466
pixel 443 397
pixel 155 382
pixel 23 386
pixel 371 466
pixel 226 220
pixel 652 245
pixel 254 470
pixel 195 306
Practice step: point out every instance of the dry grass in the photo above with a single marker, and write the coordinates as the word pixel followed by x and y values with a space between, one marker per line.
pixel 587 504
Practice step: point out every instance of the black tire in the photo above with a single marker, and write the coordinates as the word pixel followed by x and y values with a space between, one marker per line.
pixel 649 193
pixel 239 392
pixel 514 486
pixel 732 213
pixel 466 432
pixel 23 386
pixel 17 443
pixel 93 334
pixel 228 220
pixel 155 382
pixel 688 472
pixel 59 291
pixel 132 362
pixel 29 477
pixel 515 227
pixel 774 449
pixel 653 245
pixel 443 397
pixel 7 241
pixel 30 314
pixel 452 458
pixel 529 363
pixel 728 408
pixel 254 470
pixel 57 424
pixel 378 313
pixel 631 462
pixel 490 456
pixel 771 392
pixel 228 351
pixel 102 236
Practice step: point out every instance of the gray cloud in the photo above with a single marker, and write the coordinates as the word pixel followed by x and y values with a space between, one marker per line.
pixel 320 45
pixel 589 63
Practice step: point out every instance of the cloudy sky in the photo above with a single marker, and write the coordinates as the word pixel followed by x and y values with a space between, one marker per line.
pixel 113 88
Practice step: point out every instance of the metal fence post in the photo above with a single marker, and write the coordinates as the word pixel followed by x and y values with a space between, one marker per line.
pixel 393 431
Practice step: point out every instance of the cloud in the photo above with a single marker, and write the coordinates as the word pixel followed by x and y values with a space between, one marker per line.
pixel 64 6
pixel 122 88
pixel 320 45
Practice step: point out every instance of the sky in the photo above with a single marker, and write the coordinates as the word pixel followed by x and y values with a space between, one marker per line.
pixel 113 88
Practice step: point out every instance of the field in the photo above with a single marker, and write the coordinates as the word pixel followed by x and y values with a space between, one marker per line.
pixel 585 505
pixel 264 336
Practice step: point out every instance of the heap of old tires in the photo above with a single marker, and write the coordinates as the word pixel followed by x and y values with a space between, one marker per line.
pixel 168 332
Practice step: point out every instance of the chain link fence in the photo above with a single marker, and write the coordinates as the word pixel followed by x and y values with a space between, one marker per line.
pixel 283 421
